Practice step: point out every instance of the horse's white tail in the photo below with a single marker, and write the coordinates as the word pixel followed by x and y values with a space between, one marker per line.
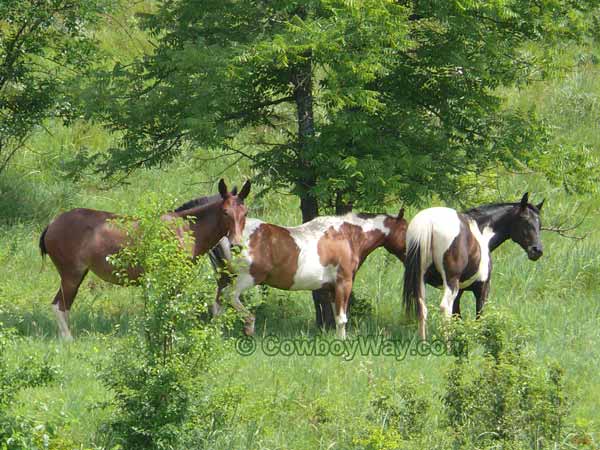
pixel 419 256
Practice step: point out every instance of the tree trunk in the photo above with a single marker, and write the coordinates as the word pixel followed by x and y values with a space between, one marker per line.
pixel 309 205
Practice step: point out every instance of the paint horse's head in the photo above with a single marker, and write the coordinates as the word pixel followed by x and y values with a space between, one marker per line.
pixel 525 227
pixel 233 212
pixel 395 241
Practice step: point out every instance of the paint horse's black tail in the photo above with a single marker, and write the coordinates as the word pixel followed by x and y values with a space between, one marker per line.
pixel 413 279
pixel 219 257
pixel 43 250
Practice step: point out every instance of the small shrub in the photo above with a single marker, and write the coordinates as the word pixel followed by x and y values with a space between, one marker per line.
pixel 18 433
pixel 500 397
pixel 397 417
pixel 157 373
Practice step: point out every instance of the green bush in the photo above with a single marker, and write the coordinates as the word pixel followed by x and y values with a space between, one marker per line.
pixel 498 397
pixel 157 373
pixel 16 432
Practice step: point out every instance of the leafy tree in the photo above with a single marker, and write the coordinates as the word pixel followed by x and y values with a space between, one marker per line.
pixel 344 102
pixel 42 44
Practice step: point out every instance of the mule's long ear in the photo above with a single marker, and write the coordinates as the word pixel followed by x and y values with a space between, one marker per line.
pixel 539 205
pixel 525 200
pixel 400 214
pixel 223 188
pixel 245 190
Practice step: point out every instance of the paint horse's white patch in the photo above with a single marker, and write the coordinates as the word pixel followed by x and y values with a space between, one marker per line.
pixel 483 238
pixel 434 229
pixel 244 260
pixel 311 274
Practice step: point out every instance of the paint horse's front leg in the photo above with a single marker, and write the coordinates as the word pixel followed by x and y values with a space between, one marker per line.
pixel 456 305
pixel 481 290
pixel 242 282
pixel 343 288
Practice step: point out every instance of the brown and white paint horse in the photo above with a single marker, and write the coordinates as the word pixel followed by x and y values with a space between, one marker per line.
pixel 80 240
pixel 323 253
pixel 451 251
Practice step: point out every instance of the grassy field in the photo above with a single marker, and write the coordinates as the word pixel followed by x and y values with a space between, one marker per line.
pixel 296 402
pixel 555 299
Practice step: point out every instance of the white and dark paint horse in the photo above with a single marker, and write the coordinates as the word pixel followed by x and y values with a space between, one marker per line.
pixel 323 253
pixel 451 251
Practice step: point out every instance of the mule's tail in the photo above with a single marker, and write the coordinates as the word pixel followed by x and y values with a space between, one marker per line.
pixel 43 250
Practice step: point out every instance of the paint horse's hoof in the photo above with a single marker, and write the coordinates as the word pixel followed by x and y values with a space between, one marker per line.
pixel 249 326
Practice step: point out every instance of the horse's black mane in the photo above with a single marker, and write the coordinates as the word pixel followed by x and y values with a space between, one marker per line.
pixel 491 209
pixel 364 215
pixel 200 201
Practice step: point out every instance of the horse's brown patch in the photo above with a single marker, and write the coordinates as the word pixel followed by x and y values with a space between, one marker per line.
pixel 461 260
pixel 274 256
pixel 347 247
pixel 395 242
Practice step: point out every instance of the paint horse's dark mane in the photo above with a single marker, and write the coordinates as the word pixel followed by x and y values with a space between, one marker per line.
pixel 200 201
pixel 488 211
pixel 364 215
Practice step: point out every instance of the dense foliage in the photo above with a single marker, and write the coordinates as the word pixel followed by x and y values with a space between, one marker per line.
pixel 44 45
pixel 160 374
pixel 342 101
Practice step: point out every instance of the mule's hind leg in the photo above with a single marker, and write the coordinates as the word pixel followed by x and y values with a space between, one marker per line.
pixel 69 285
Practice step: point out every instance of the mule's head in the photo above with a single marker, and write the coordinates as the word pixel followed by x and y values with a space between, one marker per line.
pixel 525 228
pixel 233 211
pixel 395 241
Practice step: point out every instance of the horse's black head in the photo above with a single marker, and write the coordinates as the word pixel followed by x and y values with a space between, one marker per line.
pixel 525 228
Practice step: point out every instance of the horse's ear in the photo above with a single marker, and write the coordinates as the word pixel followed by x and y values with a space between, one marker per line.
pixel 244 191
pixel 539 205
pixel 400 214
pixel 525 200
pixel 223 188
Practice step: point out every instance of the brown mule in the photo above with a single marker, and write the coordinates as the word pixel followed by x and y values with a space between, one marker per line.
pixel 80 240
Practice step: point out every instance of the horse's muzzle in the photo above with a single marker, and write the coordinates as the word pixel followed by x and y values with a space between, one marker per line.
pixel 534 252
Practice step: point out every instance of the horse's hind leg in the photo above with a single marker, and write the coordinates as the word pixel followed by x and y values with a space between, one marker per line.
pixel 69 285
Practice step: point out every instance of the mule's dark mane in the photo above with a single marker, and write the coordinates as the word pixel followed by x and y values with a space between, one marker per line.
pixel 200 201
